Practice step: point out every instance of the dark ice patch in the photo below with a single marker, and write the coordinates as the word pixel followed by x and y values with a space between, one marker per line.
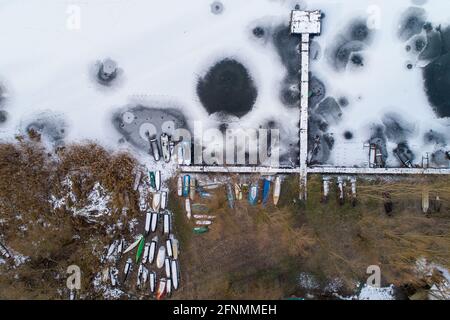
pixel 287 46
pixel 227 87
pixel 259 32
pixel 329 109
pixel 348 135
pixel 378 138
pixel 440 159
pixel 139 123
pixel 433 137
pixel 317 91
pixel 437 84
pixel 433 47
pixel 290 92
pixel 396 128
pixel 49 126
pixel 357 60
pixel 3 116
pixel 217 7
pixel 358 31
pixel 411 23
pixel 340 55
pixel 343 102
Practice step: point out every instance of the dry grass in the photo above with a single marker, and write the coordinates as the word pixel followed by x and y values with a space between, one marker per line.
pixel 54 239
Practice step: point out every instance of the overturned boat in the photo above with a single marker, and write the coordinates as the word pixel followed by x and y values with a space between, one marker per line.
pixel 146 252
pixel 152 250
pixel 175 274
pixel 203 222
pixel 161 289
pixel 169 248
pixel 158 180
pixel 186 185
pixel 156 202
pixel 188 208
pixel 167 267
pixel 230 196
pixel 154 223
pixel 276 190
pixel 148 220
pixel 160 257
pixel 127 269
pixel 266 191
pixel 163 200
pixel 152 280
pixel 180 186
pixel 175 246
pixel 155 149
pixel 238 191
pixel 253 194
pixel 192 189
pixel 140 249
pixel 134 244
pixel 165 147
pixel 167 223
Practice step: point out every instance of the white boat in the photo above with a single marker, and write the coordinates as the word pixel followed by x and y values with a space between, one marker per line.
pixel 111 249
pixel 133 245
pixel 139 275
pixel 192 189
pixel 175 246
pixel 152 252
pixel 160 257
pixel 175 274
pixel 113 273
pixel 158 180
pixel 165 147
pixel 180 154
pixel 154 223
pixel 203 217
pixel 163 200
pixel 203 222
pixel 169 248
pixel 155 149
pixel 180 186
pixel 120 247
pixel 277 190
pixel 127 269
pixel 137 180
pixel 188 208
pixel 161 289
pixel 152 279
pixel 167 267
pixel 167 226
pixel 146 252
pixel 169 287
pixel 238 191
pixel 144 276
pixel 156 202
pixel 148 220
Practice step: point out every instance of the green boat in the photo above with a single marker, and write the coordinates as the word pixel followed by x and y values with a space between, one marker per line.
pixel 140 249
pixel 151 175
pixel 201 230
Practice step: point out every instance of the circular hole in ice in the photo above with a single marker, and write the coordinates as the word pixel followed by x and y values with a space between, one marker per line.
pixel 147 130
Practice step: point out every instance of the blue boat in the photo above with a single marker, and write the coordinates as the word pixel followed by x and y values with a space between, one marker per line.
pixel 266 191
pixel 186 185
pixel 253 194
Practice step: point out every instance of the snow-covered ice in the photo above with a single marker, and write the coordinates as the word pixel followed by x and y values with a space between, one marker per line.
pixel 162 48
